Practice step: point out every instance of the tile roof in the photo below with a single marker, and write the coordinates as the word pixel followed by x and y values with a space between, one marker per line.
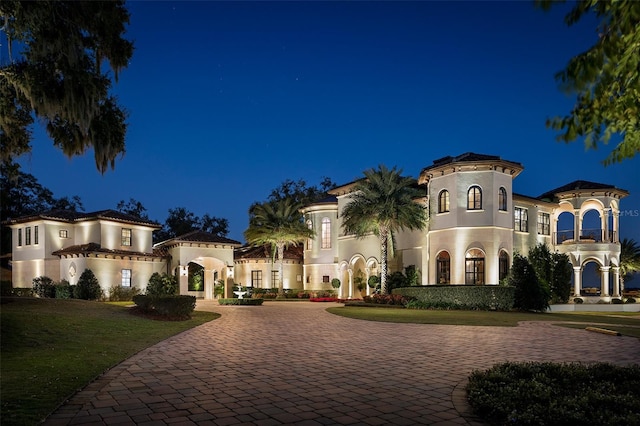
pixel 577 185
pixel 264 251
pixel 97 248
pixel 72 216
pixel 202 237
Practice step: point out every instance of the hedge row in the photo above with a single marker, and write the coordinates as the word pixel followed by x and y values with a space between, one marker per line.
pixel 472 297
pixel 167 306
pixel 234 301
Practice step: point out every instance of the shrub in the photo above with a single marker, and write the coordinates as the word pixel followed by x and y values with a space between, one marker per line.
pixel 118 293
pixel 335 283
pixel 234 301
pixel 6 288
pixel 387 299
pixel 174 306
pixel 162 285
pixel 373 282
pixel 471 297
pixel 44 287
pixel 630 300
pixel 143 302
pixel 531 294
pixel 23 292
pixel 578 300
pixel 63 290
pixel 88 287
pixel 616 301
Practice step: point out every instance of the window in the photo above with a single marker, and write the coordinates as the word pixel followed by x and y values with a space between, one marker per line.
pixel 19 237
pixel 521 219
pixel 35 235
pixel 63 233
pixel 325 278
pixel 126 237
pixel 502 199
pixel 474 198
pixel 309 240
pixel 27 236
pixel 443 268
pixel 326 233
pixel 443 201
pixel 474 267
pixel 275 279
pixel 126 278
pixel 256 279
pixel 544 224
pixel 503 265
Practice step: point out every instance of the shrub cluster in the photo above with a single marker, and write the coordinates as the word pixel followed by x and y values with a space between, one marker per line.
pixel 388 299
pixel 45 287
pixel 162 285
pixel 174 307
pixel 118 293
pixel 235 301
pixel 552 393
pixel 471 297
pixel 88 287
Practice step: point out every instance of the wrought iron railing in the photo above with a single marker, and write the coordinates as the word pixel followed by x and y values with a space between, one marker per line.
pixel 586 236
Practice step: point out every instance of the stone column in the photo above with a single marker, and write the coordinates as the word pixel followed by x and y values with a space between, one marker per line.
pixel 604 285
pixel 350 271
pixel 605 225
pixel 367 273
pixel 617 291
pixel 577 280
pixel 577 225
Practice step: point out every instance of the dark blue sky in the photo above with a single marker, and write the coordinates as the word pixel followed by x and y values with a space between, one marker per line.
pixel 229 99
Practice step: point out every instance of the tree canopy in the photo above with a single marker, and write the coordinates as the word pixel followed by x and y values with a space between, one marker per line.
pixel 181 221
pixel 382 203
pixel 605 79
pixel 60 74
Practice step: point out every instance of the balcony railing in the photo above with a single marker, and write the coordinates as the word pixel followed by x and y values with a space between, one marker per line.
pixel 586 236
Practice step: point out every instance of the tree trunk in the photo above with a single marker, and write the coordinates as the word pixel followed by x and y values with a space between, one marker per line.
pixel 281 269
pixel 383 260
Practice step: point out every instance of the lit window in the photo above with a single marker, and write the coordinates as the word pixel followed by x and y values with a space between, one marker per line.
pixel 275 279
pixel 521 222
pixel 325 278
pixel 326 233
pixel 35 235
pixel 309 240
pixel 502 199
pixel 474 198
pixel 126 237
pixel 443 268
pixel 443 201
pixel 63 233
pixel 474 267
pixel 126 278
pixel 503 265
pixel 27 236
pixel 544 224
pixel 256 279
pixel 19 237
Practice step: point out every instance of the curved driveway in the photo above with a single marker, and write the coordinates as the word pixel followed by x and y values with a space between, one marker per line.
pixel 294 363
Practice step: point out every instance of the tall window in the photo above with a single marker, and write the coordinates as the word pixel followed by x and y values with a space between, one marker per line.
pixel 63 233
pixel 503 265
pixel 275 279
pixel 126 237
pixel 544 224
pixel 443 201
pixel 474 198
pixel 126 278
pixel 443 268
pixel 19 237
pixel 35 235
pixel 27 236
pixel 256 279
pixel 474 267
pixel 309 240
pixel 326 233
pixel 502 199
pixel 521 222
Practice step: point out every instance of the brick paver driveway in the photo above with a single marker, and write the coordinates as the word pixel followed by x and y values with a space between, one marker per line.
pixel 294 363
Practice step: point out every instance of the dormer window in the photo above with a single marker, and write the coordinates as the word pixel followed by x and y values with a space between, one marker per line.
pixel 126 237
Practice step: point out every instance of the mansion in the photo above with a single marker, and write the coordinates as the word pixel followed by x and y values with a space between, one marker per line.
pixel 476 224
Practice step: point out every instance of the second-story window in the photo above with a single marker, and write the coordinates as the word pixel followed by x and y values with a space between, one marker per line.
pixel 126 237
pixel 544 224
pixel 63 233
pixel 309 240
pixel 27 236
pixel 19 237
pixel 521 219
pixel 474 198
pixel 326 233
pixel 443 201
pixel 502 199
pixel 35 235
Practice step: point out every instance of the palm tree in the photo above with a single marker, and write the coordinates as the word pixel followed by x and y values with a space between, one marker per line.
pixel 278 223
pixel 629 259
pixel 383 203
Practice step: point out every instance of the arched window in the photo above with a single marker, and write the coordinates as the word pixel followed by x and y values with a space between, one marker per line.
pixel 309 240
pixel 502 199
pixel 443 201
pixel 443 268
pixel 326 233
pixel 474 267
pixel 474 198
pixel 503 265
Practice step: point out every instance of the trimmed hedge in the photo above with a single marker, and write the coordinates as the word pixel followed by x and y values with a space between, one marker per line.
pixel 166 306
pixel 246 302
pixel 472 297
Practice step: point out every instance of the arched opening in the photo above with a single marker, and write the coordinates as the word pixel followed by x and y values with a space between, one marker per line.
pixel 564 228
pixel 474 267
pixel 443 201
pixel 443 268
pixel 503 265
pixel 359 278
pixel 196 277
pixel 591 279
pixel 591 230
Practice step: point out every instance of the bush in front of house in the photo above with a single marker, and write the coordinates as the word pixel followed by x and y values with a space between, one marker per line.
pixel 88 287
pixel 630 300
pixel 162 285
pixel 63 290
pixel 531 294
pixel 236 301
pixel 174 306
pixel 545 393
pixel 117 293
pixel 387 299
pixel 44 286
pixel 450 296
pixel 143 302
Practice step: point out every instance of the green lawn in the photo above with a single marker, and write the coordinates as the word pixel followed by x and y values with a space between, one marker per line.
pixel 623 322
pixel 50 348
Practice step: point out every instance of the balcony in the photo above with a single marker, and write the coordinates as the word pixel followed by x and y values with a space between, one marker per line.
pixel 587 236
